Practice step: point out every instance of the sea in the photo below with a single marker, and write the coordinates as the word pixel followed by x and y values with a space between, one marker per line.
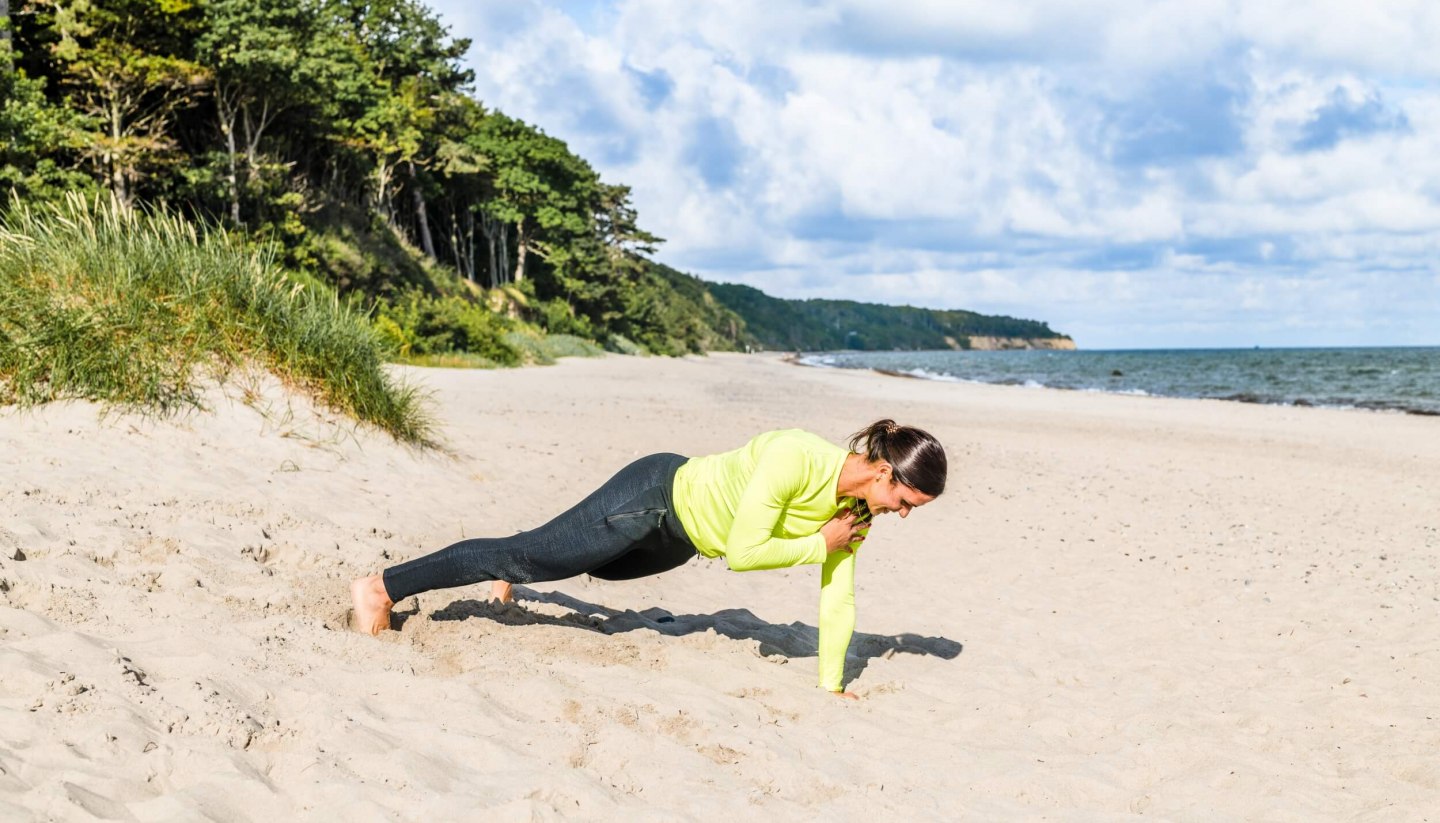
pixel 1400 380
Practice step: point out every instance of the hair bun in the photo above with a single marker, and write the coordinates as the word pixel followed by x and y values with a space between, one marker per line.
pixel 915 456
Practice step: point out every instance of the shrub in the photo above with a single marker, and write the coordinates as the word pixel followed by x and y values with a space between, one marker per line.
pixel 568 345
pixel 542 350
pixel 416 325
pixel 624 345
pixel 559 318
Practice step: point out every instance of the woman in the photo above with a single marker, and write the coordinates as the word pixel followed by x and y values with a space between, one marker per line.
pixel 785 498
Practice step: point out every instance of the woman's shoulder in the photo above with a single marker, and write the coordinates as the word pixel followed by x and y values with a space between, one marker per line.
pixel 797 442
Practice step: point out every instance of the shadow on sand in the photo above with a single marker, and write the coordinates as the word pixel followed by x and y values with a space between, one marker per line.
pixel 791 641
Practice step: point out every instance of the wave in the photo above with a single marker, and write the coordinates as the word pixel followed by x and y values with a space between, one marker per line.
pixel 920 374
pixel 817 361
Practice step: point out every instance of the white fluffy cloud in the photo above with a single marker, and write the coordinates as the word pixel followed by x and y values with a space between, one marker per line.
pixel 1186 172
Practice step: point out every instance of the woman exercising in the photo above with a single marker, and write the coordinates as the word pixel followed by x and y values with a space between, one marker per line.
pixel 784 499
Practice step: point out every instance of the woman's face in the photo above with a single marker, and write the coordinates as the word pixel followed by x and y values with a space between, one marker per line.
pixel 885 495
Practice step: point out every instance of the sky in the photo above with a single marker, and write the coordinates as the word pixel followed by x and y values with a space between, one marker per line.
pixel 1136 173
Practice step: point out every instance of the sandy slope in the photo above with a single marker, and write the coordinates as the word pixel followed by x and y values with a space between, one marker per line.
pixel 1124 606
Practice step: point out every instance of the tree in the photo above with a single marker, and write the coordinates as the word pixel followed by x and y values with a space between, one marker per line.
pixel 622 237
pixel 36 147
pixel 125 68
pixel 459 170
pixel 411 67
pixel 257 51
pixel 547 194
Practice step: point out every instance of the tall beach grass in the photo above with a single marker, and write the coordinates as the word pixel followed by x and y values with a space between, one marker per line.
pixel 139 307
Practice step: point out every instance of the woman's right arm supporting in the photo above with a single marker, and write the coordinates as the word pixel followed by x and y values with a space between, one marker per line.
pixel 837 617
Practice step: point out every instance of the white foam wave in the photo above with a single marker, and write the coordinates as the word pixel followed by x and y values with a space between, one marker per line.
pixel 926 374
pixel 818 361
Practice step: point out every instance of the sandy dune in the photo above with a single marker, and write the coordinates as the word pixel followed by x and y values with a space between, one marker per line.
pixel 1123 607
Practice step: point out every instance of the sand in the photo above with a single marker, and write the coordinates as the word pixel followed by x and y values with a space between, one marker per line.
pixel 1123 607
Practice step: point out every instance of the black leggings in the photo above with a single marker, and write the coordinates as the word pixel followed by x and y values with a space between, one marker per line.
pixel 626 529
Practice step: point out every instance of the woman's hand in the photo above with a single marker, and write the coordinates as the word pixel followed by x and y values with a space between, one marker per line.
pixel 843 530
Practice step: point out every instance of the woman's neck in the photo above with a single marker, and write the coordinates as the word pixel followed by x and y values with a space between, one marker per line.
pixel 855 476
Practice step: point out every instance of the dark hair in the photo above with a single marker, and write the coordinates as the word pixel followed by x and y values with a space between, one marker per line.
pixel 916 458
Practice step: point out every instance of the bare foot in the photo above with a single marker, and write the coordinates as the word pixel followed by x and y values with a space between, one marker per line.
pixel 500 590
pixel 372 605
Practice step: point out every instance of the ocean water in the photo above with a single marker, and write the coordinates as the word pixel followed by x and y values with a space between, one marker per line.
pixel 1381 379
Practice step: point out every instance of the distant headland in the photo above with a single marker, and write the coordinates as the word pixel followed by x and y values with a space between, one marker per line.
pixel 831 325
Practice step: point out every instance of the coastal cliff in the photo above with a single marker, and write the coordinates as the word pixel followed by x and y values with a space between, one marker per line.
pixel 985 343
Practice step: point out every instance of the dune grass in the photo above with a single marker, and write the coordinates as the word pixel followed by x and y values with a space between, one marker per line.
pixel 449 360
pixel 544 349
pixel 526 348
pixel 139 308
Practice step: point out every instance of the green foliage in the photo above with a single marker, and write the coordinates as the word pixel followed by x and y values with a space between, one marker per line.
pixel 362 255
pixel 36 155
pixel 568 345
pixel 621 344
pixel 126 68
pixel 452 360
pixel 416 324
pixel 673 313
pixel 104 302
pixel 559 317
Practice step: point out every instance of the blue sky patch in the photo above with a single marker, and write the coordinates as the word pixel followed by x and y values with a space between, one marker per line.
pixel 604 132
pixel 715 151
pixel 1177 120
pixel 654 86
pixel 912 233
pixel 1120 257
pixel 774 81
pixel 1343 117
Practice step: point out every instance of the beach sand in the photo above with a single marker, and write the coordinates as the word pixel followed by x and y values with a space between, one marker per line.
pixel 1122 606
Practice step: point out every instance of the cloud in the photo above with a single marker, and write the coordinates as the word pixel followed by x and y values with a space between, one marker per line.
pixel 1126 169
pixel 1394 38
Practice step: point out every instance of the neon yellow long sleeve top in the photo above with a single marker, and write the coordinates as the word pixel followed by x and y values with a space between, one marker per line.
pixel 761 506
